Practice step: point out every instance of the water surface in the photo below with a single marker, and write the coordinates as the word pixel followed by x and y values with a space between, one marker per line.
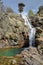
pixel 10 52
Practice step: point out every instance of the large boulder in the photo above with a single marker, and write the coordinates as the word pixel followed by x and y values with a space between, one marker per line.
pixel 32 57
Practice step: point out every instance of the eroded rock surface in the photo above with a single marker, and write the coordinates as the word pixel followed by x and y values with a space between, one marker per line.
pixel 11 29
pixel 32 57
pixel 37 22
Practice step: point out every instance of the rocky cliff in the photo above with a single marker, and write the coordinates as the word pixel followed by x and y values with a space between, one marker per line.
pixel 12 30
pixel 37 22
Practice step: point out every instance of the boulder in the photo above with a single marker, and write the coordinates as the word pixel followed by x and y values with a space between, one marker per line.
pixel 40 49
pixel 32 57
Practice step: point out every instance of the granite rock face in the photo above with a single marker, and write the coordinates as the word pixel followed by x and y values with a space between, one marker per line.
pixel 32 57
pixel 40 49
pixel 11 29
pixel 37 22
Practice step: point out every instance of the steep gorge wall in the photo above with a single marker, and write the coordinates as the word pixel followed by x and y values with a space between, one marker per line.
pixel 11 30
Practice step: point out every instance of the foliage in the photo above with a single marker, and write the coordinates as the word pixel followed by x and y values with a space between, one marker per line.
pixel 21 7
pixel 31 13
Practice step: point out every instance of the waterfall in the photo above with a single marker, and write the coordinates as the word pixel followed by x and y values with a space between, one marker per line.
pixel 32 37
pixel 31 32
pixel 26 21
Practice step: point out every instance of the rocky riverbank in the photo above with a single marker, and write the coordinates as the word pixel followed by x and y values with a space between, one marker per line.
pixel 32 57
pixel 17 60
pixel 29 56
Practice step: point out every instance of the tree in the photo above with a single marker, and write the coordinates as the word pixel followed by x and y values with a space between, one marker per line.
pixel 21 7
pixel 30 13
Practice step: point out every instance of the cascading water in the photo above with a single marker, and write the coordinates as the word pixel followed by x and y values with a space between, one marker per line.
pixel 32 31
pixel 32 37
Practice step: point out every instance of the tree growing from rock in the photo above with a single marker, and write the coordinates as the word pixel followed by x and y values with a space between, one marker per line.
pixel 21 7
pixel 31 13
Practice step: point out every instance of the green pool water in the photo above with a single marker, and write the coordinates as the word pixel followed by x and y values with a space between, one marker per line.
pixel 10 52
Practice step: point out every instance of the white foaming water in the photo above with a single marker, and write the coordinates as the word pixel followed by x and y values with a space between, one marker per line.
pixel 32 37
pixel 26 21
pixel 32 31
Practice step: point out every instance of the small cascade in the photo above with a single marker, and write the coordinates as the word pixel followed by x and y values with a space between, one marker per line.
pixel 27 22
pixel 31 32
pixel 32 37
